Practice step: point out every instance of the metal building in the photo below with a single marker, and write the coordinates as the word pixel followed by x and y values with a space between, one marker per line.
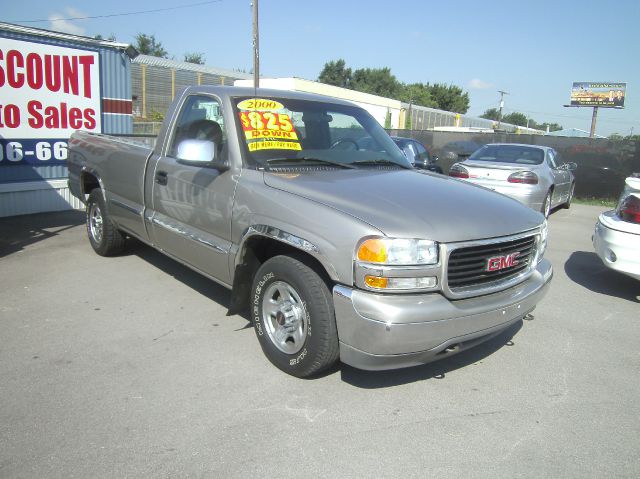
pixel 156 81
pixel 52 84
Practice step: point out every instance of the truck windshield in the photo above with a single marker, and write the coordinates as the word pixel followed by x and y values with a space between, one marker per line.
pixel 279 129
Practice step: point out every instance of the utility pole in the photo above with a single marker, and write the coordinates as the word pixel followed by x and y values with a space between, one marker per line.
pixel 592 133
pixel 502 94
pixel 256 46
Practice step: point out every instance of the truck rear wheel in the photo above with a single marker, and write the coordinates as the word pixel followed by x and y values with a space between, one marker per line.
pixel 104 237
pixel 293 317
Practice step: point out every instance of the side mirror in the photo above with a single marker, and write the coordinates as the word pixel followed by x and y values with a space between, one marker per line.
pixel 571 166
pixel 202 153
pixel 408 152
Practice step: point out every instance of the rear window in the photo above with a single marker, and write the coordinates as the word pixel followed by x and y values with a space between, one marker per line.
pixel 521 155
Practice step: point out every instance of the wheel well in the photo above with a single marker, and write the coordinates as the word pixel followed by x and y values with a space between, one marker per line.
pixel 256 251
pixel 89 182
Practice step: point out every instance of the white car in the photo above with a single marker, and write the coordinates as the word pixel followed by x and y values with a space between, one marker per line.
pixel 617 235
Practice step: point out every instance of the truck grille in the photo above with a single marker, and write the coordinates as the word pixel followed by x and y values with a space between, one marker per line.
pixel 470 267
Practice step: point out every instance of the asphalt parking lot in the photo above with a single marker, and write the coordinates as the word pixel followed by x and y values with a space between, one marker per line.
pixel 130 367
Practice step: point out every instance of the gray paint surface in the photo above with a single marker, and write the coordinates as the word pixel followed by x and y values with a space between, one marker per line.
pixel 128 367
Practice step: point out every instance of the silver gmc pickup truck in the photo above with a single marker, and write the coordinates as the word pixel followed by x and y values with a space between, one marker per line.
pixel 305 208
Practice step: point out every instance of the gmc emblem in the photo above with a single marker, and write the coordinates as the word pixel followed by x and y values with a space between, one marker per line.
pixel 501 262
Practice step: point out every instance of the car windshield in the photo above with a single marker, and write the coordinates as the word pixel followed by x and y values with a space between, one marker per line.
pixel 522 155
pixel 284 131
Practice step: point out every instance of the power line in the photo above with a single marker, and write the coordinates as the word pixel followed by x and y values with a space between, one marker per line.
pixel 116 14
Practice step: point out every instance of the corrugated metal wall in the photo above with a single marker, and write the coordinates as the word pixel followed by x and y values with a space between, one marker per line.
pixel 156 81
pixel 36 197
pixel 425 118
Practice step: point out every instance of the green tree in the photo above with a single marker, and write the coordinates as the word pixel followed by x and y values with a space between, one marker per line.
pixel 148 45
pixel 377 81
pixel 111 38
pixel 194 57
pixel 417 94
pixel 552 126
pixel 449 97
pixel 387 120
pixel 491 114
pixel 515 118
pixel 335 73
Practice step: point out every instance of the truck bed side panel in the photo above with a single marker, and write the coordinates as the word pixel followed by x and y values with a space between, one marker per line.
pixel 119 166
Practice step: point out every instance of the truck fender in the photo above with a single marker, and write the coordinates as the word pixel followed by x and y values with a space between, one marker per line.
pixel 247 261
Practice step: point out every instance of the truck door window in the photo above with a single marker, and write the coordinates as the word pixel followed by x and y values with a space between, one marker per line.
pixel 199 119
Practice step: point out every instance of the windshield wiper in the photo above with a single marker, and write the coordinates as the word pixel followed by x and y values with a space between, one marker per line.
pixel 379 161
pixel 307 159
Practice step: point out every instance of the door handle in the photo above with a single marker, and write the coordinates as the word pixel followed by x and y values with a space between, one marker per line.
pixel 162 178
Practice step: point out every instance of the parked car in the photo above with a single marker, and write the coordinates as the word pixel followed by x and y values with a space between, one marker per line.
pixel 531 174
pixel 417 154
pixel 617 233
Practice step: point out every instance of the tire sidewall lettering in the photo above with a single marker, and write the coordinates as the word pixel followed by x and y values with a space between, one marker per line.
pixel 255 308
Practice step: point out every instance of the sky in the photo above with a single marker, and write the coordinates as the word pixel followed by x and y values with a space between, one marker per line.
pixel 532 50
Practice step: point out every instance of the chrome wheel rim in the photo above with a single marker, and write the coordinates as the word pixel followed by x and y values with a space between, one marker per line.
pixel 285 317
pixel 95 223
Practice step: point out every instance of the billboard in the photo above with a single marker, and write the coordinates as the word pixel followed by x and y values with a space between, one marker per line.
pixel 610 95
pixel 46 93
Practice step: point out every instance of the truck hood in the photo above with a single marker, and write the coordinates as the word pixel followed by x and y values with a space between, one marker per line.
pixel 411 204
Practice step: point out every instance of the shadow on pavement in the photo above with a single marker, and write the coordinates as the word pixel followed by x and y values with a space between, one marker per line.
pixel 18 232
pixel 206 287
pixel 435 370
pixel 586 269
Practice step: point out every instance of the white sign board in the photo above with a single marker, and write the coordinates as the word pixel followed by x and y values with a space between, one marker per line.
pixel 46 93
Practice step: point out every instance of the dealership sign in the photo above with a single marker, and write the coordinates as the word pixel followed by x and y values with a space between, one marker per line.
pixel 46 93
pixel 610 95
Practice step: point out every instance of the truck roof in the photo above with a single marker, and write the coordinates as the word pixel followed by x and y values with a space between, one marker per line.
pixel 235 91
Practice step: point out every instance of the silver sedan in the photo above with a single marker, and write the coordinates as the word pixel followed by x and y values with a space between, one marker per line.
pixel 531 174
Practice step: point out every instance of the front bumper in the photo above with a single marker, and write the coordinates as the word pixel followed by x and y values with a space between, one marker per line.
pixel 393 331
pixel 617 243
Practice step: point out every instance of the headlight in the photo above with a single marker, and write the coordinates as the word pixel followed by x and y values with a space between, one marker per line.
pixel 397 265
pixel 398 252
pixel 544 233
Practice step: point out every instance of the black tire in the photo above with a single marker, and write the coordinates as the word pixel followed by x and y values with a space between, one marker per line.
pixel 293 317
pixel 546 204
pixel 104 237
pixel 567 205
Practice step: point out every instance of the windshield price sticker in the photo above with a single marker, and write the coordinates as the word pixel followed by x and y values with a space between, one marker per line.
pixel 274 145
pixel 260 104
pixel 266 124
pixel 266 127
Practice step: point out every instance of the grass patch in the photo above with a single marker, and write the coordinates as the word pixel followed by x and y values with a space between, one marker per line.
pixel 609 202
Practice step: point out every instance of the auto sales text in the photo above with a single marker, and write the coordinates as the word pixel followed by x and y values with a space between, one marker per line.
pixel 52 74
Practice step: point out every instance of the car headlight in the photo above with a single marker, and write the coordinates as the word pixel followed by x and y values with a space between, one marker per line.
pixel 397 264
pixel 544 233
pixel 398 252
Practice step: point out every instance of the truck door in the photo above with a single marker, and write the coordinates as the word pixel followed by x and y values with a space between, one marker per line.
pixel 191 217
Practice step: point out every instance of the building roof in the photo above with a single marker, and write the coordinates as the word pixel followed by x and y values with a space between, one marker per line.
pixel 40 32
pixel 167 63
pixel 573 132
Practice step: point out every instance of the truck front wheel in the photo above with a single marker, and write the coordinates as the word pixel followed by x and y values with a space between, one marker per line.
pixel 293 317
pixel 104 237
